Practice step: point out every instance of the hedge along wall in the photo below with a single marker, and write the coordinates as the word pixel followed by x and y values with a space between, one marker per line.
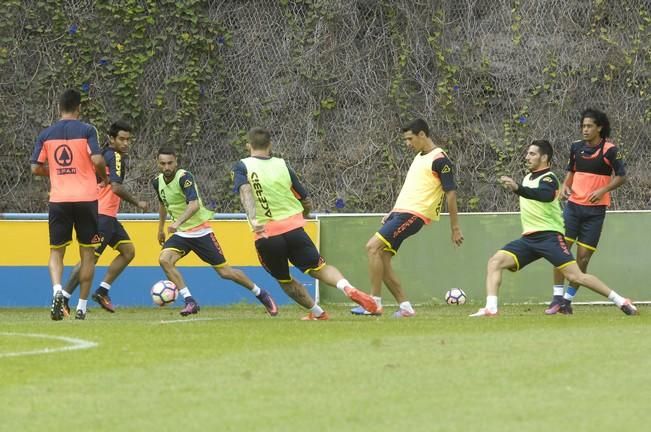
pixel 333 80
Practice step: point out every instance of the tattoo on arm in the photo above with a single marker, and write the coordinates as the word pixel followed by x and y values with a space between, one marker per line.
pixel 248 201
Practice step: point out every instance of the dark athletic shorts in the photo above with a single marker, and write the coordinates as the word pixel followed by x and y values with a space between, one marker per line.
pixel 583 224
pixel 63 216
pixel 294 246
pixel 206 247
pixel 397 227
pixel 111 232
pixel 545 244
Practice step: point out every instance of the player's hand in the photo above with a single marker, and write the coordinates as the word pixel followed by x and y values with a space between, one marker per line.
pixel 508 183
pixel 143 205
pixel 172 228
pixel 566 191
pixel 259 229
pixel 161 238
pixel 457 236
pixel 384 218
pixel 596 195
pixel 103 182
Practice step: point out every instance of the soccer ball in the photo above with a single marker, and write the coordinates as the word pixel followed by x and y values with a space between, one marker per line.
pixel 455 296
pixel 164 292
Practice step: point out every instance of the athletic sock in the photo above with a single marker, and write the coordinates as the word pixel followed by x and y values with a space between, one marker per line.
pixel 316 310
pixel 342 283
pixel 559 290
pixel 570 293
pixel 405 305
pixel 66 294
pixel 82 305
pixel 185 292
pixel 378 301
pixel 106 286
pixel 616 298
pixel 255 290
pixel 55 288
pixel 491 303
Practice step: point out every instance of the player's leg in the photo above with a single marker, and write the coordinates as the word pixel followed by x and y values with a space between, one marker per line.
pixel 60 225
pixel 126 254
pixel 390 279
pixel 573 273
pixel 514 256
pixel 175 248
pixel 302 252
pixel 572 221
pixel 592 220
pixel 208 249
pixel 273 254
pixel 86 226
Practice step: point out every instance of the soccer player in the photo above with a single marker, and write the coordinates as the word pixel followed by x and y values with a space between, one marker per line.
pixel 68 153
pixel 429 179
pixel 276 205
pixel 542 236
pixel 178 196
pixel 595 168
pixel 111 231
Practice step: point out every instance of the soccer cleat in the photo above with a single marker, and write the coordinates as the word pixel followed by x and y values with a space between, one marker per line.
pixel 66 307
pixel 80 315
pixel 566 307
pixel 559 305
pixel 265 298
pixel 311 317
pixel 403 313
pixel 56 311
pixel 191 307
pixel 555 305
pixel 361 298
pixel 629 308
pixel 483 312
pixel 104 301
pixel 361 311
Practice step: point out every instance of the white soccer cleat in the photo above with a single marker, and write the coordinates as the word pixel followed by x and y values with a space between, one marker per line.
pixel 484 312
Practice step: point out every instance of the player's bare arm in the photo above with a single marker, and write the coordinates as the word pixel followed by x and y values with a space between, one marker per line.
pixel 123 193
pixel 307 207
pixel 508 183
pixel 566 189
pixel 162 216
pixel 100 168
pixel 455 228
pixel 40 170
pixel 248 202
pixel 615 182
pixel 191 209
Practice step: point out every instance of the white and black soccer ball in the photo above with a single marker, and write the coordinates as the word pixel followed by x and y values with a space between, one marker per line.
pixel 455 296
pixel 164 292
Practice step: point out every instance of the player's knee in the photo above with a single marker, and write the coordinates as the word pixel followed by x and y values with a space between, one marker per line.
pixel 373 247
pixel 495 262
pixel 129 254
pixel 227 272
pixel 165 261
pixel 582 262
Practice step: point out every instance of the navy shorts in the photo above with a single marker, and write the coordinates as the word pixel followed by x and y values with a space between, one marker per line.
pixel 111 232
pixel 583 224
pixel 397 227
pixel 63 216
pixel 294 246
pixel 545 244
pixel 206 247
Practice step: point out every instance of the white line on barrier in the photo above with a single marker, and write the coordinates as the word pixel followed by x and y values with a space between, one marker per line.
pixel 186 320
pixel 75 344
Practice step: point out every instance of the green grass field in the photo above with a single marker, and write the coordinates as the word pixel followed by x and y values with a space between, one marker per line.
pixel 236 369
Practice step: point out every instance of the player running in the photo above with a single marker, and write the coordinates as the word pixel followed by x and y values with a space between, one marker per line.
pixel 68 153
pixel 596 168
pixel 276 205
pixel 542 236
pixel 178 196
pixel 111 231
